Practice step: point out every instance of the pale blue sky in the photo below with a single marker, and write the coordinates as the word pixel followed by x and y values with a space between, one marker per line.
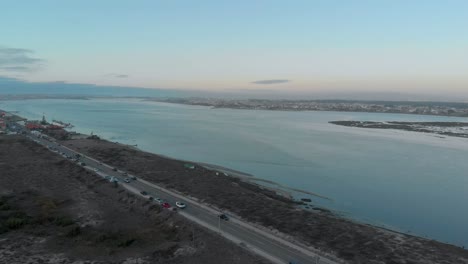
pixel 329 45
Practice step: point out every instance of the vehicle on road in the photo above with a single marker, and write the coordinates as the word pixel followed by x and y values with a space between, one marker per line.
pixel 223 217
pixel 143 193
pixel 159 200
pixel 166 205
pixel 181 205
pixel 114 179
pixel 95 170
pixel 151 198
pixel 127 180
pixel 133 178
pixel 125 174
pixel 83 164
pixel 114 169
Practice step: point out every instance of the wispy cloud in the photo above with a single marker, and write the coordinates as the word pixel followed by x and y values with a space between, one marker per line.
pixel 18 60
pixel 117 75
pixel 271 81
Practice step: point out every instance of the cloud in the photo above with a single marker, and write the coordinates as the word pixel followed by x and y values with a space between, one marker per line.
pixel 115 75
pixel 18 60
pixel 270 81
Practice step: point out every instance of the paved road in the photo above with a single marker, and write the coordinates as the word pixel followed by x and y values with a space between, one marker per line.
pixel 265 244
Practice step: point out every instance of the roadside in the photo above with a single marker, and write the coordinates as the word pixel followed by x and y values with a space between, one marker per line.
pixel 355 242
pixel 53 211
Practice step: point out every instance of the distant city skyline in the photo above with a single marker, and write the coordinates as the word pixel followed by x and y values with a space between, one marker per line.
pixel 257 47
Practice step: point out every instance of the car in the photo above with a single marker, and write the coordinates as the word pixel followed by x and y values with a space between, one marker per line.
pixel 151 198
pixel 143 193
pixel 223 217
pixel 181 205
pixel 83 164
pixel 107 177
pixel 166 205
pixel 127 180
pixel 114 179
pixel 125 174
pixel 159 200
pixel 133 178
pixel 114 169
pixel 95 170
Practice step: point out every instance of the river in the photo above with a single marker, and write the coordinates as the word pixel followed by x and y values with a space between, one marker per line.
pixel 408 181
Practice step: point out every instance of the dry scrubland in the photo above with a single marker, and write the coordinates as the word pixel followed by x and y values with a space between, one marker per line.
pixel 53 211
pixel 356 243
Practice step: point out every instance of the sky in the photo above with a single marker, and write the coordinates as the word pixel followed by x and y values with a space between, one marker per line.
pixel 313 46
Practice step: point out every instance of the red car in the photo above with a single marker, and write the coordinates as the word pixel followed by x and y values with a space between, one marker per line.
pixel 166 205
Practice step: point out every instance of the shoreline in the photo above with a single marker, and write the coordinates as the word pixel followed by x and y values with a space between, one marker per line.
pixel 284 191
pixel 184 101
pixel 442 129
pixel 331 232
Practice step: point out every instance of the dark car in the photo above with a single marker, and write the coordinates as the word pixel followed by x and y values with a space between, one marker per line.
pixel 224 217
pixel 143 193
pixel 83 164
pixel 150 198
pixel 114 169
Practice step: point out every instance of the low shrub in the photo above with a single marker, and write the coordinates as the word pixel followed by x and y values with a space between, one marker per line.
pixel 62 221
pixel 126 242
pixel 73 231
pixel 15 223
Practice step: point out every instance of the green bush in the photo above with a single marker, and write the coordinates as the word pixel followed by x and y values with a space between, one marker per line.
pixel 126 242
pixel 4 207
pixel 62 221
pixel 15 223
pixel 3 229
pixel 73 231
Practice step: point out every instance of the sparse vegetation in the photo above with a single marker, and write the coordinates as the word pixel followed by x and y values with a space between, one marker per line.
pixel 83 218
pixel 15 223
pixel 320 228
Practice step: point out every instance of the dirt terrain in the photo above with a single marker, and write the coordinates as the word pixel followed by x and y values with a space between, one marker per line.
pixel 357 243
pixel 53 211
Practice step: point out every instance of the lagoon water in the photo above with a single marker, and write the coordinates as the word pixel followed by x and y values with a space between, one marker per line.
pixel 411 182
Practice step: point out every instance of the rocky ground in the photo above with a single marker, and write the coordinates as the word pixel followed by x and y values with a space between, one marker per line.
pixel 53 211
pixel 354 242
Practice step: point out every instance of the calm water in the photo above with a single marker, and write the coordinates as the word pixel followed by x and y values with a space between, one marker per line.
pixel 403 180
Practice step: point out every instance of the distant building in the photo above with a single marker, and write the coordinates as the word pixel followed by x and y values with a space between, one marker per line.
pixel 2 125
pixel 34 126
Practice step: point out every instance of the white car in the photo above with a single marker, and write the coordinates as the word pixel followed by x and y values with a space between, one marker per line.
pixel 159 200
pixel 181 205
pixel 96 170
pixel 114 179
pixel 127 180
